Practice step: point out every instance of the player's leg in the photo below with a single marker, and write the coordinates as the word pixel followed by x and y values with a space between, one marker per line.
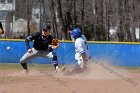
pixel 77 67
pixel 26 57
pixel 54 58
pixel 80 64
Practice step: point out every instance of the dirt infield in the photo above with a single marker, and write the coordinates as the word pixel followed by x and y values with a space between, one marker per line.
pixel 99 78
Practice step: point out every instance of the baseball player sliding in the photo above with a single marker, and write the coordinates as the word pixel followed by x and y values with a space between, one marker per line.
pixel 1 29
pixel 43 46
pixel 81 49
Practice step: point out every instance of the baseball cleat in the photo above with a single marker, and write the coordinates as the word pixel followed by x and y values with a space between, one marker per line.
pixel 63 69
pixel 25 71
pixel 58 70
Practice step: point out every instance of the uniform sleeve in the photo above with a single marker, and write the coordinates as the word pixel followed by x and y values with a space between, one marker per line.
pixel 31 38
pixel 51 38
pixel 50 42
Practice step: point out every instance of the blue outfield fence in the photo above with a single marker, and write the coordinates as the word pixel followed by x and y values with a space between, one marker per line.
pixel 119 54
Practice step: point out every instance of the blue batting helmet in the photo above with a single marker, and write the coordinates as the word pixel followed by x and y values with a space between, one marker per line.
pixel 76 32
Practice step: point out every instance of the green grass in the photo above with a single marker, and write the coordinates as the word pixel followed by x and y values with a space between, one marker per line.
pixel 129 68
pixel 18 66
pixel 9 66
pixel 133 69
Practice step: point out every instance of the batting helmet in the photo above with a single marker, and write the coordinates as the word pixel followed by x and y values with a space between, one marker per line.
pixel 46 26
pixel 76 32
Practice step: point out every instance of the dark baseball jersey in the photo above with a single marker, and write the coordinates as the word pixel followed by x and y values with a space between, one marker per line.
pixel 40 42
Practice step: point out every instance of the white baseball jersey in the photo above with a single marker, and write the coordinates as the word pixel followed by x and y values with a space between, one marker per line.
pixel 81 47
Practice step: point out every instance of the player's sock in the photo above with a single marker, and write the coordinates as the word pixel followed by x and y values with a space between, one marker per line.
pixel 24 66
pixel 55 62
pixel 55 66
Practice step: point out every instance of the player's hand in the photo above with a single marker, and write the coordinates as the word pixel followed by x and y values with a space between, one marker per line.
pixel 54 47
pixel 30 51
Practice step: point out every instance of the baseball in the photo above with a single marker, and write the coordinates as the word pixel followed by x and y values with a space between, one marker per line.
pixel 8 48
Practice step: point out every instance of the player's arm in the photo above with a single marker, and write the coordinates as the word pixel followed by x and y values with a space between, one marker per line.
pixel 1 29
pixel 50 44
pixel 30 38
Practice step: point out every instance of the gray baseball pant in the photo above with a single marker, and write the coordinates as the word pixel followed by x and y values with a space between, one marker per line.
pixel 38 53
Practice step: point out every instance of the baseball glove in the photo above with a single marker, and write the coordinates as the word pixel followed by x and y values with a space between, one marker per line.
pixel 55 43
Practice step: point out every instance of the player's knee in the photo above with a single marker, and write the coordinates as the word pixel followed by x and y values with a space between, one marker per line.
pixel 54 54
pixel 22 61
pixel 55 61
pixel 54 58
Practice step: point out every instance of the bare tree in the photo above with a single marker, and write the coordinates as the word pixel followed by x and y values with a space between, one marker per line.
pixel 59 19
pixel 29 4
pixel 82 14
pixel 53 17
pixel 132 20
pixel 95 17
pixel 120 25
